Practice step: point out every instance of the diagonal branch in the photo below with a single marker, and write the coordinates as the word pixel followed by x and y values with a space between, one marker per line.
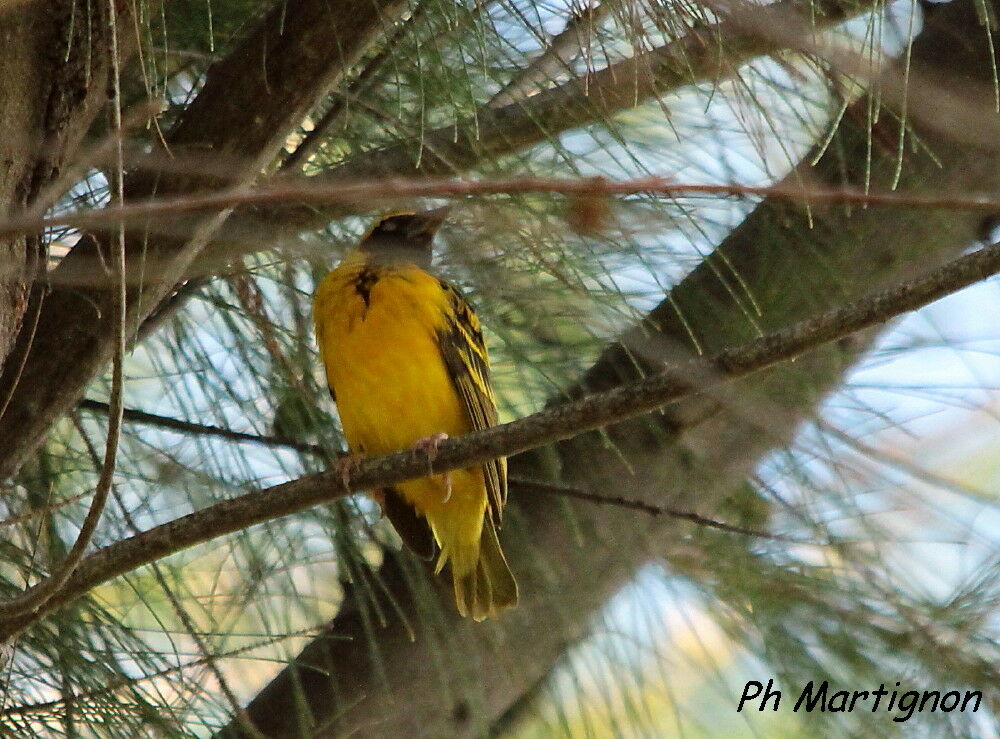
pixel 278 74
pixel 545 488
pixel 561 52
pixel 361 84
pixel 489 133
pixel 366 193
pixel 542 428
pixel 35 597
pixel 781 264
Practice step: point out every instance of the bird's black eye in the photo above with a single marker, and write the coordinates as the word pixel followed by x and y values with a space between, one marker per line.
pixel 388 226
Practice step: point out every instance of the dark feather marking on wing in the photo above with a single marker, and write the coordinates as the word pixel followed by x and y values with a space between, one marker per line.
pixel 464 352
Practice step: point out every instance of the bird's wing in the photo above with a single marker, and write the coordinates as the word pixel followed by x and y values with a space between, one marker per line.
pixel 464 352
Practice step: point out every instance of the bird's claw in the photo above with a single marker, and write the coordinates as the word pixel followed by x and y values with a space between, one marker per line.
pixel 429 446
pixel 346 465
pixel 447 486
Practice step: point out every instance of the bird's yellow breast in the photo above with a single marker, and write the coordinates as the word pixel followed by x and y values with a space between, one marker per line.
pixel 377 329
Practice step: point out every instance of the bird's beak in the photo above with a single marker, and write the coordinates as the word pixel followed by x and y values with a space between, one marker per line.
pixel 434 218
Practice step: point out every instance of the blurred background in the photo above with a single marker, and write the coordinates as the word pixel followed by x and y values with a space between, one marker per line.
pixel 864 479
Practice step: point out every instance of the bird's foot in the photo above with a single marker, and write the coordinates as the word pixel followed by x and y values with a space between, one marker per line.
pixel 447 486
pixel 429 446
pixel 346 465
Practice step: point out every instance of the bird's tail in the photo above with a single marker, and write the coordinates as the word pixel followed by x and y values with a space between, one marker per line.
pixel 488 587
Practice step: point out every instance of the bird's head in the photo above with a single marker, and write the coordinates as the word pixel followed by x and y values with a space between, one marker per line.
pixel 404 238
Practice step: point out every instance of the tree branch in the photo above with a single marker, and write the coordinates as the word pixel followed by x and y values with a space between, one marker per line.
pixel 537 486
pixel 557 57
pixel 781 264
pixel 188 427
pixel 55 67
pixel 364 194
pixel 358 87
pixel 491 133
pixel 545 427
pixel 278 73
pixel 36 596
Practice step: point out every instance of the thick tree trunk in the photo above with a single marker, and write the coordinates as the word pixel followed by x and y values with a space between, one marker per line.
pixel 249 103
pixel 54 80
pixel 433 674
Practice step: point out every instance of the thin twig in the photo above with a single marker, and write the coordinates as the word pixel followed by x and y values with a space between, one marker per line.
pixel 913 470
pixel 548 488
pixel 35 597
pixel 200 429
pixel 188 427
pixel 19 519
pixel 369 193
pixel 358 87
pixel 209 660
pixel 545 427
pixel 561 52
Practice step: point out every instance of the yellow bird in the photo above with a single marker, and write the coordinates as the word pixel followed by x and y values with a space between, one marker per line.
pixel 407 366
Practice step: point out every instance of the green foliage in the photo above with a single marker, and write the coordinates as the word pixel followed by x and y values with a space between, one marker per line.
pixel 201 26
pixel 173 649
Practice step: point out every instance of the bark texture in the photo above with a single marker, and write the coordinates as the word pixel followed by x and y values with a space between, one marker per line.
pixel 249 103
pixel 55 76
